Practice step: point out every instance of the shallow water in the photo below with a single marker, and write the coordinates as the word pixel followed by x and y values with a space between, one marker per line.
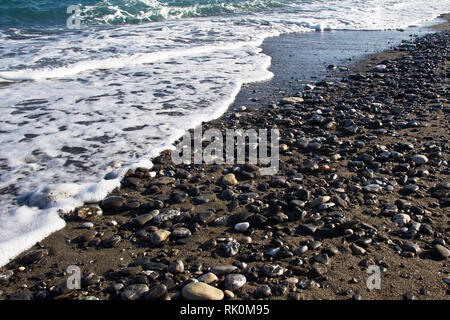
pixel 298 59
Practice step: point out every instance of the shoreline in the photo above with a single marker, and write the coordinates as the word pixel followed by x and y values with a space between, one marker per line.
pixel 135 190
pixel 307 65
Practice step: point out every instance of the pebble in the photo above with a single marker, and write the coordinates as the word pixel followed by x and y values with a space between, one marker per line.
pixel 389 210
pixel 411 247
pixel 205 217
pixel 229 179
pixel 246 240
pixel 156 292
pixel 131 270
pixel 320 200
pixel 409 296
pixel 232 248
pixel 221 270
pixel 273 252
pixel 208 278
pixel 181 233
pixel 440 251
pixel 263 291
pixel 321 258
pixel 33 256
pixel 314 245
pixel 373 188
pixel 228 194
pixel 307 228
pixel 273 270
pixel 357 250
pixel 88 235
pixel 4 277
pixel 301 250
pixel 159 236
pixel 242 226
pixel 144 218
pixel 228 294
pixel 134 291
pixel 167 215
pixel 234 282
pixel 87 225
pixel 200 200
pixel 410 188
pixel 291 100
pixel 201 291
pixel 176 267
pixel 419 159
pixel 112 241
pixel 401 219
pixel 331 251
pixel 114 202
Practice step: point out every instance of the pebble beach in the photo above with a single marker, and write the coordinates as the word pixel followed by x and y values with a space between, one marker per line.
pixel 363 181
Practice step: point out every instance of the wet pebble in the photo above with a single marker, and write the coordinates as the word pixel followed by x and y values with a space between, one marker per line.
pixel 134 292
pixel 234 281
pixel 159 236
pixel 263 291
pixel 112 241
pixel 114 202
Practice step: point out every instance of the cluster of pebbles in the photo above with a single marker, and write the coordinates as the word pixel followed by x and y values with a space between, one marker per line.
pixel 363 181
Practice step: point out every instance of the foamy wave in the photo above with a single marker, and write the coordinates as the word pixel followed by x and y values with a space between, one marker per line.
pixel 138 11
pixel 115 63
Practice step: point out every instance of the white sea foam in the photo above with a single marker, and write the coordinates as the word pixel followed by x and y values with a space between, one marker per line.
pixel 103 100
pixel 23 227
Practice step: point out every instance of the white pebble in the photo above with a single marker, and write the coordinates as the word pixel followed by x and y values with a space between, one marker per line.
pixel 242 226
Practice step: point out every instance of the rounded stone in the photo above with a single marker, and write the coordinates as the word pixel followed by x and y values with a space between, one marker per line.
pixel 134 292
pixel 201 291
pixel 401 219
pixel 440 251
pixel 242 226
pixel 419 159
pixel 229 179
pixel 112 242
pixel 208 278
pixel 232 248
pixel 159 236
pixel 176 267
pixel 114 202
pixel 263 292
pixel 88 235
pixel 156 292
pixel 372 188
pixel 33 256
pixel 181 233
pixel 234 281
pixel 357 250
pixel 320 200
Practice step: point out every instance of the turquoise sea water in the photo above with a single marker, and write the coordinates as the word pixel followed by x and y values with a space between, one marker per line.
pixel 17 13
